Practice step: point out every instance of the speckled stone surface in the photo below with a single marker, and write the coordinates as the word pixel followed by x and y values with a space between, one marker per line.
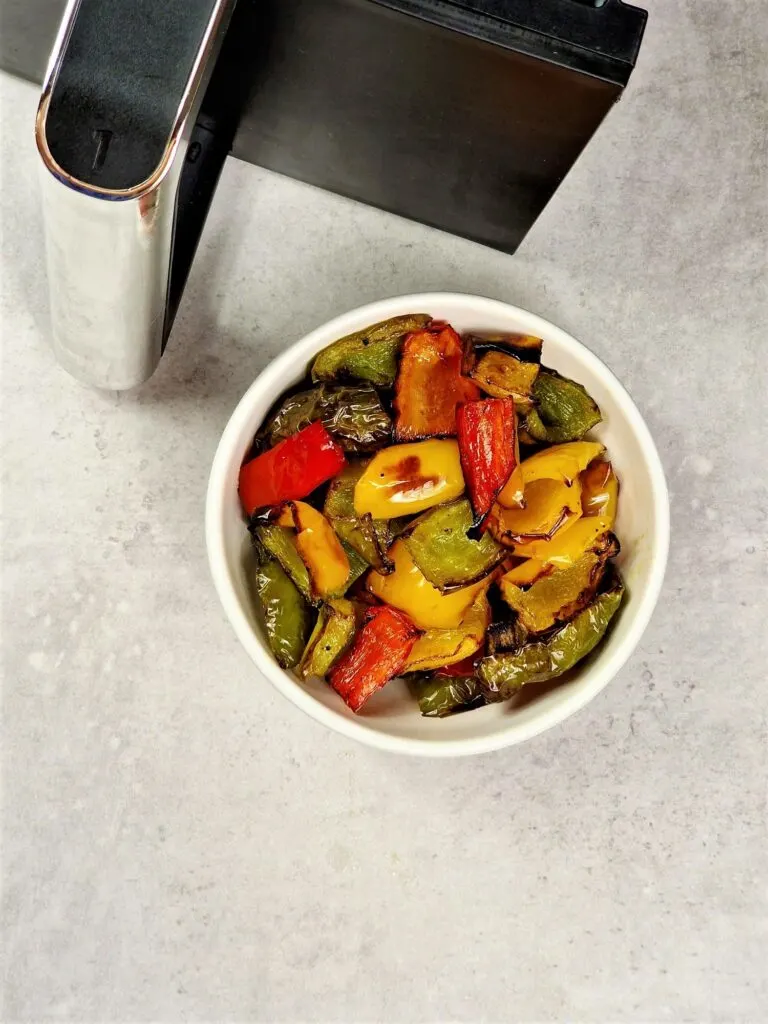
pixel 179 842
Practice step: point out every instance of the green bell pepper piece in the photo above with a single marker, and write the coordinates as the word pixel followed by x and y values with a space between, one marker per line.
pixel 370 354
pixel 352 413
pixel 285 613
pixel 370 538
pixel 438 543
pixel 334 630
pixel 564 410
pixel 357 566
pixel 278 541
pixel 560 595
pixel 440 696
pixel 503 675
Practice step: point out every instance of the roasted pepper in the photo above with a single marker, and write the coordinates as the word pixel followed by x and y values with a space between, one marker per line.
pixel 370 354
pixel 438 543
pixel 352 413
pixel 430 384
pixel 487 436
pixel 561 462
pixel 335 627
pixel 503 375
pixel 526 347
pixel 512 494
pixel 565 463
pixel 281 544
pixel 551 498
pixel 550 506
pixel 505 637
pixel 357 568
pixel 318 546
pixel 564 411
pixel 438 648
pixel 531 569
pixel 409 590
pixel 565 548
pixel 280 541
pixel 502 675
pixel 460 668
pixel 377 654
pixel 285 613
pixel 409 478
pixel 290 470
pixel 440 696
pixel 558 596
pixel 599 491
pixel 370 537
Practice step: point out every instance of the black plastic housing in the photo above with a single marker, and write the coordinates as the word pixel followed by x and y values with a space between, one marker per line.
pixel 463 114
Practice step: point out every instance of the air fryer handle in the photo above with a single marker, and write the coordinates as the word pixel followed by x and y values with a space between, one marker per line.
pixel 129 168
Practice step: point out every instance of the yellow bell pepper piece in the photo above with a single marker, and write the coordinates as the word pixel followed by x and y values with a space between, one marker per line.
pixel 566 546
pixel 408 590
pixel 408 478
pixel 599 491
pixel 561 461
pixel 550 506
pixel 551 496
pixel 599 501
pixel 319 547
pixel 440 647
pixel 512 494
pixel 527 572
pixel 501 374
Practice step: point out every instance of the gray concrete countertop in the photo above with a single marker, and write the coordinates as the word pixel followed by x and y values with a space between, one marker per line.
pixel 179 842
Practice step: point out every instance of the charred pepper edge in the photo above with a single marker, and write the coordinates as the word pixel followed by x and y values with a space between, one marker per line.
pixel 508 538
pixel 510 343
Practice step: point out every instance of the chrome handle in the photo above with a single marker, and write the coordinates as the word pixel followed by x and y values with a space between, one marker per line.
pixel 110 238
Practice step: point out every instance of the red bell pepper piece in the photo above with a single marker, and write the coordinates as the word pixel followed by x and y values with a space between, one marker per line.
pixel 291 470
pixel 487 435
pixel 430 384
pixel 378 653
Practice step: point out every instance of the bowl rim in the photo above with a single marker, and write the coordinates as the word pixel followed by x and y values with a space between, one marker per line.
pixel 301 350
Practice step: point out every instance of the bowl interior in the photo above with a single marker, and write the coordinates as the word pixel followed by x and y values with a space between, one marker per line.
pixel 391 718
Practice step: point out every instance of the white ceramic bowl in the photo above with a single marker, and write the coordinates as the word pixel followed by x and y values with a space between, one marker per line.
pixel 391 719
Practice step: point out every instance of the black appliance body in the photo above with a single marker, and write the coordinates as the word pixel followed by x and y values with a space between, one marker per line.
pixel 462 114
